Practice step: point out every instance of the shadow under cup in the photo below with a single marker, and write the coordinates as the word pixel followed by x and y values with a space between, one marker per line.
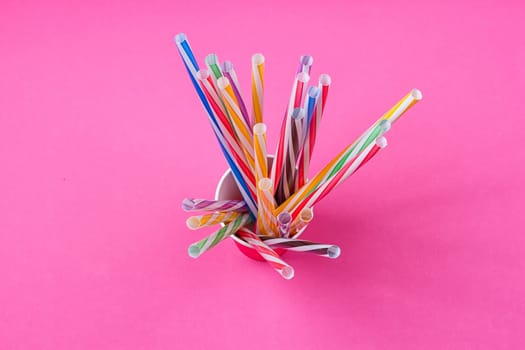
pixel 227 189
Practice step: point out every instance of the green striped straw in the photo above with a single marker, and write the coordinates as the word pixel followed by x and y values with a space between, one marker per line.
pixel 197 248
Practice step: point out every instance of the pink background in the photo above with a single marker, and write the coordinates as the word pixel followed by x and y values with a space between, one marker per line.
pixel 101 136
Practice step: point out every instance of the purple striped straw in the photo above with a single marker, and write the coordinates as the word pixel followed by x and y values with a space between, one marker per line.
pixel 284 220
pixel 228 72
pixel 191 204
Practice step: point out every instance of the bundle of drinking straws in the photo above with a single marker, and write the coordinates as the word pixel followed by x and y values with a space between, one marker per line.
pixel 278 199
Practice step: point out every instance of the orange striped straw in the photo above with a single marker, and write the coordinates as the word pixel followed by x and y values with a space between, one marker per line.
pixel 257 87
pixel 305 217
pixel 199 221
pixel 266 224
pixel 259 146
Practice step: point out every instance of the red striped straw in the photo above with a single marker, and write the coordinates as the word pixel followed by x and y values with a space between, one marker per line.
pixel 267 253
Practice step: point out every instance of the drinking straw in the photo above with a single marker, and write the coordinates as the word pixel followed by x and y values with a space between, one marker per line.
pixel 260 152
pixel 288 181
pixel 314 114
pixel 305 64
pixel 305 217
pixel 226 129
pixel 298 245
pixel 267 253
pixel 283 221
pixel 257 87
pixel 282 145
pixel 229 72
pixel 197 248
pixel 350 168
pixel 193 204
pixel 199 221
pixel 212 61
pixel 266 204
pixel 192 67
pixel 244 133
pixel 392 115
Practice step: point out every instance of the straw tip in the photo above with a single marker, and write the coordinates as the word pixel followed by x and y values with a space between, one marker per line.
pixel 203 74
pixel 381 142
pixel 416 93
pixel 187 204
pixel 334 252
pixel 386 125
pixel 306 215
pixel 257 59
pixel 223 82
pixel 259 129
pixel 307 60
pixel 303 77
pixel 227 66
pixel 287 272
pixel 193 223
pixel 284 218
pixel 324 79
pixel 211 59
pixel 179 38
pixel 194 251
pixel 265 184
pixel 313 91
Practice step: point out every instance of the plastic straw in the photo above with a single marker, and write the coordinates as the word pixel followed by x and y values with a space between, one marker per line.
pixel 298 245
pixel 196 249
pixel 260 152
pixel 267 253
pixel 305 217
pixel 199 221
pixel 257 87
pixel 284 221
pixel 193 204
pixel 266 205
pixel 229 72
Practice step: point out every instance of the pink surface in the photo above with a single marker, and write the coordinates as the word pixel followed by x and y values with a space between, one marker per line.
pixel 101 136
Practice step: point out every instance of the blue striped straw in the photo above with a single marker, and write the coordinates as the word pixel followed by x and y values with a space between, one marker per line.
pixel 187 55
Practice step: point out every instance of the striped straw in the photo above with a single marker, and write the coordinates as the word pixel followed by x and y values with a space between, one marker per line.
pixel 199 221
pixel 267 253
pixel 297 245
pixel 190 63
pixel 229 72
pixel 197 248
pixel 259 145
pixel 305 64
pixel 192 204
pixel 284 221
pixel 305 217
pixel 257 87
pixel 266 224
pixel 392 115
pixel 350 168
